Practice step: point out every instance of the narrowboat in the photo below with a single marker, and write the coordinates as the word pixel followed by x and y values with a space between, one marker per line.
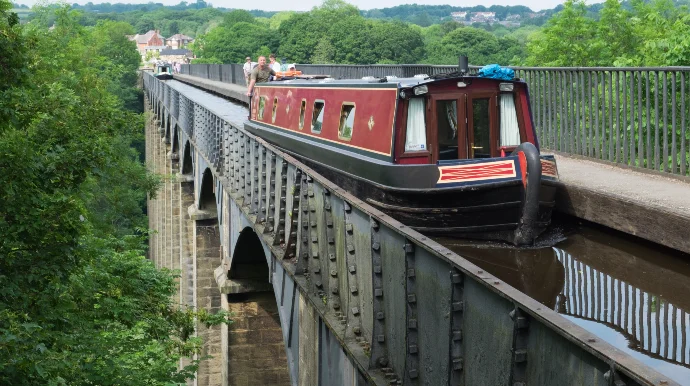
pixel 163 71
pixel 448 154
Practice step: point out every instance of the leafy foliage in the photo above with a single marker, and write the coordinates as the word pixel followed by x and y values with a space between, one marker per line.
pixel 643 34
pixel 79 304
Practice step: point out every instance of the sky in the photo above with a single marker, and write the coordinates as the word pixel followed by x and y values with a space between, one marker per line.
pixel 305 5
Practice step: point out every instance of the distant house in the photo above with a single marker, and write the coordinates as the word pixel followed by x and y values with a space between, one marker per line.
pixel 178 41
pixel 458 16
pixel 483 17
pixel 173 55
pixel 151 38
pixel 152 51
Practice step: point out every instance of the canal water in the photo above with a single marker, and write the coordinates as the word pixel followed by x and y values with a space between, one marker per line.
pixel 631 293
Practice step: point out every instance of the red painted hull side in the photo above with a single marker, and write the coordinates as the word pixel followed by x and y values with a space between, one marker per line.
pixel 372 105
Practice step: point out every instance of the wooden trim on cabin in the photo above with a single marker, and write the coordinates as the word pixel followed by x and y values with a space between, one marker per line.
pixel 313 118
pixel 521 117
pixel 341 123
pixel 302 113
pixel 463 125
pixel 401 139
pixel 493 122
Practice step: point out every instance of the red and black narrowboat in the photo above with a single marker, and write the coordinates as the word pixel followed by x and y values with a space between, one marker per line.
pixel 451 154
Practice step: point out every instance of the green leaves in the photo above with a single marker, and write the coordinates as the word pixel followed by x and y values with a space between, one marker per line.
pixel 79 303
pixel 651 34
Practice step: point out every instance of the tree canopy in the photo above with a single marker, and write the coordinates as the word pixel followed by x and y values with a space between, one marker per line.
pixel 79 303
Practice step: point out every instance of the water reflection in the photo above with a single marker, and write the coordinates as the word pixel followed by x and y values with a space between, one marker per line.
pixel 632 294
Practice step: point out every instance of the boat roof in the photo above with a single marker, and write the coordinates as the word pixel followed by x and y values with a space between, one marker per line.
pixel 374 82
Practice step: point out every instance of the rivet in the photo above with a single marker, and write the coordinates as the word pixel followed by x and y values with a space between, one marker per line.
pixel 378 292
pixel 353 290
pixel 352 269
pixel 355 311
pixel 413 349
pixel 357 330
pixel 520 356
pixel 412 324
pixel 376 246
pixel 413 373
pixel 411 298
pixel 379 315
pixel 457 364
pixel 457 335
pixel 458 306
pixel 410 272
pixel 377 269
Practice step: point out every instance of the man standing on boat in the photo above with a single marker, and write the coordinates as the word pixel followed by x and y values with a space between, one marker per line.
pixel 260 74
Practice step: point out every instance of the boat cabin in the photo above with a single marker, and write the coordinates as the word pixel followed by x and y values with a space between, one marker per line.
pixel 462 119
pixel 420 120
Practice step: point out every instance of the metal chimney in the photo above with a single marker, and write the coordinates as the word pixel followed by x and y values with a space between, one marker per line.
pixel 463 65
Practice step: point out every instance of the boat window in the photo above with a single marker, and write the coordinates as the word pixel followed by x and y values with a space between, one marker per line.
pixel 481 140
pixel 347 121
pixel 447 121
pixel 510 131
pixel 262 106
pixel 317 116
pixel 302 109
pixel 415 138
pixel 275 108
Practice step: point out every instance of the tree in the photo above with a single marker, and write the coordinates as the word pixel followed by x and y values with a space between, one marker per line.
pixel 144 25
pixel 481 47
pixel 237 16
pixel 567 40
pixel 79 304
pixel 173 28
pixel 324 53
pixel 232 45
pixel 397 42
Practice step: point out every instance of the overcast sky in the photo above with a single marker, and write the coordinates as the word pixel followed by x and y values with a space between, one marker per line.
pixel 305 5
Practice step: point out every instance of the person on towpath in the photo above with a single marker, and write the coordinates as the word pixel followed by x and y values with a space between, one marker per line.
pixel 247 69
pixel 260 74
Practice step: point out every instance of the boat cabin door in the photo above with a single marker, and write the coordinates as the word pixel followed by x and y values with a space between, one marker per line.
pixel 463 126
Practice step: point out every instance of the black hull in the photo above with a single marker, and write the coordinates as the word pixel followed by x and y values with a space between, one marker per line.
pixel 508 210
pixel 486 212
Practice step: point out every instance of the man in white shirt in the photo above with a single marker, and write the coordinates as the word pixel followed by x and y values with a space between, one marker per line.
pixel 247 69
pixel 275 65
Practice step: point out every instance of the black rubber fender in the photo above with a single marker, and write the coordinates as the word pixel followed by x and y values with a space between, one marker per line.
pixel 527 229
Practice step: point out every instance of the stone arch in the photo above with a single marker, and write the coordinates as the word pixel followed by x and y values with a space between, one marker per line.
pixel 207 193
pixel 176 140
pixel 249 259
pixel 255 307
pixel 187 163
pixel 168 123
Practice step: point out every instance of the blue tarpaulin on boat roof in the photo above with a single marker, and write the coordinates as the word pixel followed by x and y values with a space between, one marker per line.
pixel 494 71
